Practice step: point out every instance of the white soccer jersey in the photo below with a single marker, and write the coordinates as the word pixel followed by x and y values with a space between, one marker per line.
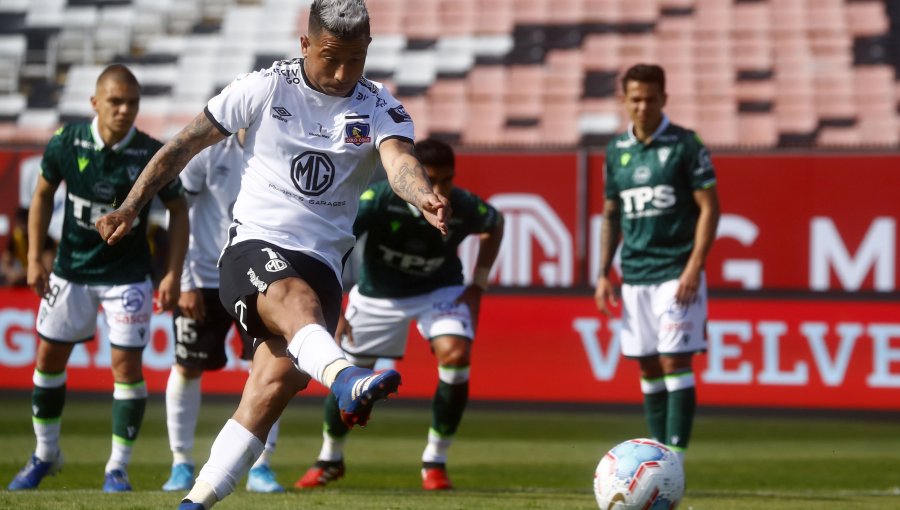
pixel 212 180
pixel 309 156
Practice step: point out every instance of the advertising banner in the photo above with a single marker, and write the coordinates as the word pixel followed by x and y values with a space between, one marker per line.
pixel 786 354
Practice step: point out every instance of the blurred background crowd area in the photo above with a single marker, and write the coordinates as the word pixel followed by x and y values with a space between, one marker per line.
pixel 746 74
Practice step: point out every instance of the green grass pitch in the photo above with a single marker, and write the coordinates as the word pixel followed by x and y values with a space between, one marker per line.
pixel 502 459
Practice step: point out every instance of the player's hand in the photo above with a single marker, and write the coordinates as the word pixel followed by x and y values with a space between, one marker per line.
pixel 471 297
pixel 688 285
pixel 115 225
pixel 344 330
pixel 169 291
pixel 605 296
pixel 38 278
pixel 191 304
pixel 436 209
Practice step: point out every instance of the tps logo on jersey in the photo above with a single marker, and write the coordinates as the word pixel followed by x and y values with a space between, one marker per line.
pixel 357 133
pixel 398 113
pixel 312 173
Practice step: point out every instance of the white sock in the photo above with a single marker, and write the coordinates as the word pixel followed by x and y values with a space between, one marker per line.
pixel 202 493
pixel 120 456
pixel 47 435
pixel 332 447
pixel 271 439
pixel 182 408
pixel 436 449
pixel 315 349
pixel 232 453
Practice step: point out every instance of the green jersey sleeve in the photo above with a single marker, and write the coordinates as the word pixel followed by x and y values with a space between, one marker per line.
pixel 610 189
pixel 368 204
pixel 50 165
pixel 701 175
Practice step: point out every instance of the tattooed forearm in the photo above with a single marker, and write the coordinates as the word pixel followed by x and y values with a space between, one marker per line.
pixel 171 160
pixel 410 184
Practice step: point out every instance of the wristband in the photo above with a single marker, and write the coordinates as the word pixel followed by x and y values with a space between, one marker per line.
pixel 480 278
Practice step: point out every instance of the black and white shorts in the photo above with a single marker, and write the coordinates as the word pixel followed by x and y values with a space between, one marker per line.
pixel 249 267
pixel 202 344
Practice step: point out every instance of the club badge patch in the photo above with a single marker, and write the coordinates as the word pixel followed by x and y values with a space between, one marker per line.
pixel 357 133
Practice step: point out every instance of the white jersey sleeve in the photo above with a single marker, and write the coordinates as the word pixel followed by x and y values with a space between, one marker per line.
pixel 240 103
pixel 392 121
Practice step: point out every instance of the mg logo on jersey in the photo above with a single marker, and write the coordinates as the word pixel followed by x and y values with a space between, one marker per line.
pixel 535 241
pixel 312 173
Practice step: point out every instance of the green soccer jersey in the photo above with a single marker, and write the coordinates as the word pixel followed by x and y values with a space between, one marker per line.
pixel 98 178
pixel 654 185
pixel 404 254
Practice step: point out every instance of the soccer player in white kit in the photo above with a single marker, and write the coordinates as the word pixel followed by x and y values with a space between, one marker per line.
pixel 201 324
pixel 314 129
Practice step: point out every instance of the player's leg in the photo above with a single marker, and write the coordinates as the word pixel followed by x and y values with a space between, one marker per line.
pixel 297 297
pixel 199 347
pixel 261 478
pixel 379 329
pixel 682 333
pixel 448 325
pixel 67 315
pixel 639 337
pixel 271 384
pixel 127 308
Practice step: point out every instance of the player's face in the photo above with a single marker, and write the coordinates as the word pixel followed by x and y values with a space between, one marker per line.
pixel 441 178
pixel 644 103
pixel 332 65
pixel 116 104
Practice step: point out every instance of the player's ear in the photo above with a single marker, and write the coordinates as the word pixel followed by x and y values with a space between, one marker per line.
pixel 94 103
pixel 304 45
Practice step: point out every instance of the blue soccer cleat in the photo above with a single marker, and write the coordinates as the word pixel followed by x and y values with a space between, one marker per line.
pixel 116 481
pixel 190 505
pixel 34 471
pixel 357 389
pixel 181 479
pixel 262 479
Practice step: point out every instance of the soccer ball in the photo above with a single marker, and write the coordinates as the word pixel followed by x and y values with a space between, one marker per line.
pixel 639 474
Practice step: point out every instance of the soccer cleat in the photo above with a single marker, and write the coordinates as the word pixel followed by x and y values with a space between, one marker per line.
pixel 181 479
pixel 322 472
pixel 357 389
pixel 34 471
pixel 262 479
pixel 116 481
pixel 434 477
pixel 187 504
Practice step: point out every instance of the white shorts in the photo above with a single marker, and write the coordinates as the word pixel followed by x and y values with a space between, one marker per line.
pixel 380 325
pixel 68 313
pixel 653 323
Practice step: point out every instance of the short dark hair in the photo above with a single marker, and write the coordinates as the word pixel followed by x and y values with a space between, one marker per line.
pixel 344 19
pixel 645 73
pixel 434 153
pixel 119 73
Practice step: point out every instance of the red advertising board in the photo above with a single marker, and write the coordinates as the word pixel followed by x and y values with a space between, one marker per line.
pixel 791 354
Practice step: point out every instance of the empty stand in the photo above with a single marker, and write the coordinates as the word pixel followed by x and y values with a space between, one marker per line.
pixel 761 74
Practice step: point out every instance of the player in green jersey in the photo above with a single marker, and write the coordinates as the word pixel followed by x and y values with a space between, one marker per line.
pixel 411 272
pixel 99 161
pixel 661 200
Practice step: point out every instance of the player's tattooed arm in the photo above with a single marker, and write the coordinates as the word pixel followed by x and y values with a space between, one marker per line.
pixel 165 166
pixel 609 235
pixel 171 160
pixel 409 181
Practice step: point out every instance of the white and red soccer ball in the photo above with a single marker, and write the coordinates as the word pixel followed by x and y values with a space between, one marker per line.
pixel 639 474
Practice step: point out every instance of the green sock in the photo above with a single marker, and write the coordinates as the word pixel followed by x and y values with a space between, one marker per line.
pixel 680 420
pixel 334 426
pixel 128 414
pixel 655 405
pixel 48 403
pixel 447 407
